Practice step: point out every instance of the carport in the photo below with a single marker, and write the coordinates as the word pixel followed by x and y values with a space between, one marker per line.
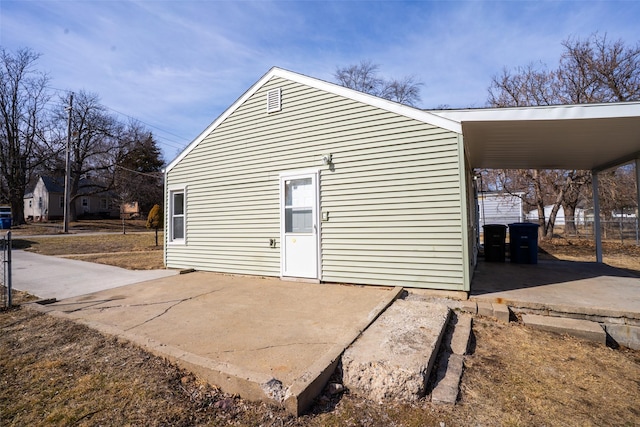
pixel 592 137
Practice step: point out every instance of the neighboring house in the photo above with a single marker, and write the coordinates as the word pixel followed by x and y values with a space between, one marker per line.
pixel 579 216
pixel 46 201
pixel 500 208
pixel 308 180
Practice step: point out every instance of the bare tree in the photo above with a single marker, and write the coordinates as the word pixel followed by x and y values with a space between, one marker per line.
pixel 23 97
pixel 364 77
pixel 524 86
pixel 96 145
pixel 590 70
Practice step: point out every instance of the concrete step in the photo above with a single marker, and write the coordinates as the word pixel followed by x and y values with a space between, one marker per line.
pixel 584 329
pixel 626 335
pixel 495 310
pixel 394 357
pixel 455 345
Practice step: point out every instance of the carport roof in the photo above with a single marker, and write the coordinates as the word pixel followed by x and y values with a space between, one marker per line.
pixel 586 136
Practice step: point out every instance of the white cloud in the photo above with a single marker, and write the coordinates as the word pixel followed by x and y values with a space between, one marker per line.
pixel 179 64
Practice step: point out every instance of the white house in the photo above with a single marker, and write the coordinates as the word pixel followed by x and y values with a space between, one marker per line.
pixel 46 201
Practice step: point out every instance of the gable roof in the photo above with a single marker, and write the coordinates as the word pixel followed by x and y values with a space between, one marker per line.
pixel 85 187
pixel 404 110
pixel 52 185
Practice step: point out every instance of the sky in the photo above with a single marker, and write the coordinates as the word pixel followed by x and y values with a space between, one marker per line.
pixel 177 65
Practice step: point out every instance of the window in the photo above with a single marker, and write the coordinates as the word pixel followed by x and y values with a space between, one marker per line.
pixel 61 202
pixel 104 204
pixel 40 202
pixel 177 224
pixel 30 203
pixel 85 202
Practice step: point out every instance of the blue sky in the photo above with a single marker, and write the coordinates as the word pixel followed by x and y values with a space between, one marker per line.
pixel 177 65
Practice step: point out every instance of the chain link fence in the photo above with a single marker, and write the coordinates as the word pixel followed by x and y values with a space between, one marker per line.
pixel 5 278
pixel 624 230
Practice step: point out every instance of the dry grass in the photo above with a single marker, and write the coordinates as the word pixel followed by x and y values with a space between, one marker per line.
pixel 135 251
pixel 56 372
pixel 615 254
pixel 147 260
pixel 93 225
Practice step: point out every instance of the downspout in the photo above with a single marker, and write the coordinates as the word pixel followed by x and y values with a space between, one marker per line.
pixel 596 216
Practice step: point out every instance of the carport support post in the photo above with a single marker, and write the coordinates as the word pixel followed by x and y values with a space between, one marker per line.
pixel 638 192
pixel 596 215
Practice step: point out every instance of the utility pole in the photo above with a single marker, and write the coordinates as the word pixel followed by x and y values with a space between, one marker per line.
pixel 67 173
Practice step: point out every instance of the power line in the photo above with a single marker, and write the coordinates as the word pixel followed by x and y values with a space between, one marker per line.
pixel 157 174
pixel 167 141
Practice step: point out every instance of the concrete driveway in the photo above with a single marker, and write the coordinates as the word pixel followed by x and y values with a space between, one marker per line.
pixel 60 278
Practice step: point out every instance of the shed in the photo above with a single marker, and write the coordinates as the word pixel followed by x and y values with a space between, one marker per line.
pixel 500 208
pixel 308 180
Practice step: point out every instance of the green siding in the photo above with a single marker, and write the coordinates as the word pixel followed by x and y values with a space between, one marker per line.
pixel 393 194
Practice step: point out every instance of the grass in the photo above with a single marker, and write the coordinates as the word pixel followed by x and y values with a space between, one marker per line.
pixel 55 372
pixel 134 251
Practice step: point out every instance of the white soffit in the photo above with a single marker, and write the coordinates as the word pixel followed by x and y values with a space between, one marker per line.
pixel 588 136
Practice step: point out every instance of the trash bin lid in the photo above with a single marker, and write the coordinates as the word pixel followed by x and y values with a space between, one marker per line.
pixel 494 227
pixel 524 225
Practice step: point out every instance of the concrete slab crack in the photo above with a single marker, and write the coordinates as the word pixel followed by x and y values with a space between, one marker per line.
pixel 278 346
pixel 175 303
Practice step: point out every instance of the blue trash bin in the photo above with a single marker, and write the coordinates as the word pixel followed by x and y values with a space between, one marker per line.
pixel 5 223
pixel 523 243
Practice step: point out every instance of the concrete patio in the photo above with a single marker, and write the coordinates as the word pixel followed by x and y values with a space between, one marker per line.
pixel 578 290
pixel 262 338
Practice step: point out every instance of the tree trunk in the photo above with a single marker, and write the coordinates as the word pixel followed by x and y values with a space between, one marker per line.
pixel 570 219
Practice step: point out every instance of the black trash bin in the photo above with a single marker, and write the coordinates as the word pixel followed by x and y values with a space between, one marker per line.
pixel 494 242
pixel 523 243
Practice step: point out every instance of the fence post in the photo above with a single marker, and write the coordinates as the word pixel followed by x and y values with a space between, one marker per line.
pixel 8 269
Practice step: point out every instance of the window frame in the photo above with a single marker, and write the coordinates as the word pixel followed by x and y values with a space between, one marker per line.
pixel 171 215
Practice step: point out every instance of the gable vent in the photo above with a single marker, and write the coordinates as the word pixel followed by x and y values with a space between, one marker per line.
pixel 274 100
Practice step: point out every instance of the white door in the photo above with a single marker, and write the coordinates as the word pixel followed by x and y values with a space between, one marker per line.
pixel 299 225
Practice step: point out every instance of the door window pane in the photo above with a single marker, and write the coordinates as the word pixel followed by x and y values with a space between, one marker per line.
pixel 299 196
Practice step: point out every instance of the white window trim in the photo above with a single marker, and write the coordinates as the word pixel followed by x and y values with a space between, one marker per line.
pixel 170 239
